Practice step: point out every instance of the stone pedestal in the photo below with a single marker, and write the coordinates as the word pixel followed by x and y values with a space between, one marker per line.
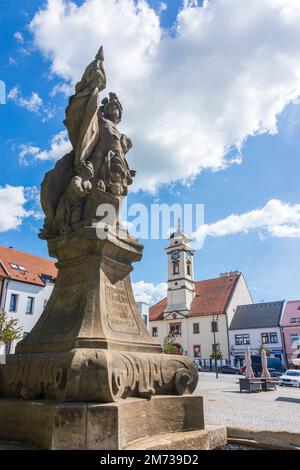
pixel 53 425
pixel 65 387
pixel 91 344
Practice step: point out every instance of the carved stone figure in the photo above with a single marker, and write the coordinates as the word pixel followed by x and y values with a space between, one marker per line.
pixel 69 210
pixel 92 129
pixel 91 344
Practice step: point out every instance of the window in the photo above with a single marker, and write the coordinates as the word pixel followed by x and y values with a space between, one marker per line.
pixel 176 267
pixel 214 327
pixel 188 268
pixel 295 339
pixel 29 306
pixel 196 328
pixel 238 340
pixel 265 338
pixel 154 331
pixel 295 320
pixel 197 350
pixel 13 303
pixel 145 318
pixel 273 338
pixel 46 278
pixel 246 339
pixel 175 329
pixel 17 266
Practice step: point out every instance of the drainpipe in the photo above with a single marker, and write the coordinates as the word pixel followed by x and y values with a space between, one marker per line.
pixel 3 301
pixel 284 346
pixel 228 345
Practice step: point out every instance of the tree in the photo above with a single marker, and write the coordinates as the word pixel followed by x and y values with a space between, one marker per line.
pixel 9 329
pixel 169 345
pixel 216 355
pixel 263 348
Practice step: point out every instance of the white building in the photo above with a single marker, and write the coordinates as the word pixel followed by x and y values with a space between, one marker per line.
pixel 256 325
pixel 144 311
pixel 198 314
pixel 26 283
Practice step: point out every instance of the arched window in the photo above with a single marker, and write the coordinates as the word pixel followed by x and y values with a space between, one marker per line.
pixel 176 267
pixel 188 267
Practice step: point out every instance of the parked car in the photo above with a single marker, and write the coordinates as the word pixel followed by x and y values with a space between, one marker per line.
pixel 227 369
pixel 291 378
pixel 275 366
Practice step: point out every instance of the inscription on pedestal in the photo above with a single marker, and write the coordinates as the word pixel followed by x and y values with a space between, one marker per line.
pixel 119 312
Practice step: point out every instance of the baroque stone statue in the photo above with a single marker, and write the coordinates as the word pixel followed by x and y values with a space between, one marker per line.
pixel 96 141
pixel 91 344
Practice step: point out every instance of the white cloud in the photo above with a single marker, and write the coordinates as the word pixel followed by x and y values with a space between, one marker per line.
pixel 59 146
pixel 276 218
pixel 189 98
pixel 19 37
pixel 12 207
pixel 12 61
pixel 64 88
pixel 162 7
pixel 32 104
pixel 148 292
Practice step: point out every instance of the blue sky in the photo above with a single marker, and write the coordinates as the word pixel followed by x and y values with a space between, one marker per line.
pixel 262 131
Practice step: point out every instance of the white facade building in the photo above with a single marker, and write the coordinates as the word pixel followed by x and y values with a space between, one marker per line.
pixel 198 314
pixel 144 311
pixel 256 325
pixel 26 283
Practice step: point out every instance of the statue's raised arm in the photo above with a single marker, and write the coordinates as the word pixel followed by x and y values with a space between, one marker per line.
pixel 81 113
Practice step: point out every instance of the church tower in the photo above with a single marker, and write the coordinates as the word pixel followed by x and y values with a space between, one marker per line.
pixel 181 285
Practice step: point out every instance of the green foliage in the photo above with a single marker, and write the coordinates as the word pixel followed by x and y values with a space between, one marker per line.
pixel 9 330
pixel 263 348
pixel 216 355
pixel 169 345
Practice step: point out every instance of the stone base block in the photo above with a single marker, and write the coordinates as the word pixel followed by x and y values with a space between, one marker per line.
pixel 55 425
pixel 212 437
pixel 264 439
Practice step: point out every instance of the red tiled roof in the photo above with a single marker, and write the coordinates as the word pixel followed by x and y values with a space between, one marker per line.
pixel 212 296
pixel 34 266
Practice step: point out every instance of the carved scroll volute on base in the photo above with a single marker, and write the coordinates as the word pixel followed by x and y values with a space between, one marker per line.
pixel 99 376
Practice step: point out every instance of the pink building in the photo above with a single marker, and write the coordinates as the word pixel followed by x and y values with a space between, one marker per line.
pixel 290 324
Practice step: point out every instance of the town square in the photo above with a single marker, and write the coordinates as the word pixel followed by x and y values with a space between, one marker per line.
pixel 149 228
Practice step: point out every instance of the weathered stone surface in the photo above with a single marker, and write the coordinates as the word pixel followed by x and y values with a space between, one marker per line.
pixel 53 425
pixel 210 438
pixel 91 344
pixel 97 160
pixel 264 438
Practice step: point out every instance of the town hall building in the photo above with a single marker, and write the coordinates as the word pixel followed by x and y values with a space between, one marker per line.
pixel 197 314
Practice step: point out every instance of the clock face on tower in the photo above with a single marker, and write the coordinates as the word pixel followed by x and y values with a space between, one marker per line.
pixel 175 255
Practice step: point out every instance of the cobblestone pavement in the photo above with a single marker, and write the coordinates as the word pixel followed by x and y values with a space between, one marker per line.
pixel 224 404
